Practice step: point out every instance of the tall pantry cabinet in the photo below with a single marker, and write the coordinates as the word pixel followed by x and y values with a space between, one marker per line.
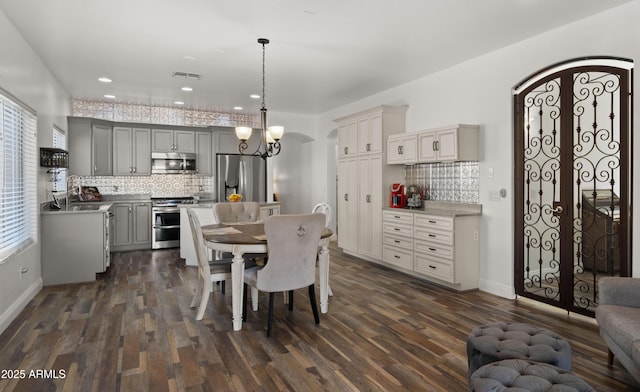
pixel 364 179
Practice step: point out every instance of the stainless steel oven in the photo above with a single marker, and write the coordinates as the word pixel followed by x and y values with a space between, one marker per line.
pixel 165 220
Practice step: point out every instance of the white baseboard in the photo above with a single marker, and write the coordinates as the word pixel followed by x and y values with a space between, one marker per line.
pixel 12 312
pixel 500 290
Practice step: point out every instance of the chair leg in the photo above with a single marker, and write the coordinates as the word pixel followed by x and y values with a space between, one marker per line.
pixel 222 286
pixel 609 357
pixel 206 292
pixel 270 313
pixel 254 298
pixel 197 294
pixel 314 305
pixel 290 300
pixel 244 304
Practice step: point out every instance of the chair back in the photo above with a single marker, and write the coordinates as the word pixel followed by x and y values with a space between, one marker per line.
pixel 293 246
pixel 198 244
pixel 236 212
pixel 324 208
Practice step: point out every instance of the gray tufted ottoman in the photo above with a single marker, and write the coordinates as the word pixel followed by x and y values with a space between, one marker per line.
pixel 516 375
pixel 498 341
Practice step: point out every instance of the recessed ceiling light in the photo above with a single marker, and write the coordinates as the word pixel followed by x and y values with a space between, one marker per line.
pixel 187 88
pixel 189 58
pixel 179 103
pixel 237 108
pixel 104 79
pixel 110 96
pixel 254 96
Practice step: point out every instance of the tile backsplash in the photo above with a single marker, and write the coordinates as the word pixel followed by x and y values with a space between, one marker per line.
pixel 159 185
pixel 451 181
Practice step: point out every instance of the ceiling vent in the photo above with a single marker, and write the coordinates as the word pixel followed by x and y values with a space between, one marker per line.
pixel 186 75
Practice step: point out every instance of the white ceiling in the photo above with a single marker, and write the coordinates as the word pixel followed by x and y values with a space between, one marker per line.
pixel 322 55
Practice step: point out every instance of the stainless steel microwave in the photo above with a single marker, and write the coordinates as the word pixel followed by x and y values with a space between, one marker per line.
pixel 173 163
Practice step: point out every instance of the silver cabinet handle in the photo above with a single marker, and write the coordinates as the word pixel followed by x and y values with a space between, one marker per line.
pixel 346 150
pixel 346 197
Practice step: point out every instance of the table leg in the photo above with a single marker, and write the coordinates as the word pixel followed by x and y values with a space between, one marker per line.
pixel 323 267
pixel 237 283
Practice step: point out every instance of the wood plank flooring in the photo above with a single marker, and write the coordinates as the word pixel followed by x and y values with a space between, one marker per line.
pixel 133 330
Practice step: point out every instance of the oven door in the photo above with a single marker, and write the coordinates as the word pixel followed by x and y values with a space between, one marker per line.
pixel 166 228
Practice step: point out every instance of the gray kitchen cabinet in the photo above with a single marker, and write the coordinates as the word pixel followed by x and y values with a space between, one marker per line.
pixel 75 246
pixel 204 153
pixel 131 151
pixel 132 226
pixel 90 145
pixel 170 140
pixel 269 210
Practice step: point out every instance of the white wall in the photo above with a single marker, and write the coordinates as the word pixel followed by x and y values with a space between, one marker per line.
pixel 23 74
pixel 480 91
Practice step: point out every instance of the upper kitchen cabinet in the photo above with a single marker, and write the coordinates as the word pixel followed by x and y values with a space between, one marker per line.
pixel 348 139
pixel 452 143
pixel 90 147
pixel 204 153
pixel 402 149
pixel 364 133
pixel 169 140
pixel 132 151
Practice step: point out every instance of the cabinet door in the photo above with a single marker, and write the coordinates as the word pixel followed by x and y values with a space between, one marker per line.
pixel 122 216
pixel 122 164
pixel 184 141
pixel 347 204
pixel 204 158
pixel 427 147
pixel 142 223
pixel 364 136
pixel 348 140
pixel 447 144
pixel 375 134
pixel 394 150
pixel 162 140
pixel 102 150
pixel 267 211
pixel 141 152
pixel 370 206
pixel 410 149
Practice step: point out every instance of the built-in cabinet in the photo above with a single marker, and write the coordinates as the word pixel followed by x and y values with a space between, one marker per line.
pixel 363 178
pixel 90 145
pixel 132 225
pixel 204 153
pixel 444 249
pixel 458 142
pixel 131 151
pixel 171 140
pixel 402 149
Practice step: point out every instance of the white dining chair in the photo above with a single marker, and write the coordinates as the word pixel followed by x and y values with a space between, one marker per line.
pixel 325 208
pixel 236 212
pixel 208 271
pixel 293 247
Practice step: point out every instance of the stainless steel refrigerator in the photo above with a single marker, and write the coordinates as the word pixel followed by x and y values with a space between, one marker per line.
pixel 242 174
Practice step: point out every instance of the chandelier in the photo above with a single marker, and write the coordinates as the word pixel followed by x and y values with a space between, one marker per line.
pixel 269 144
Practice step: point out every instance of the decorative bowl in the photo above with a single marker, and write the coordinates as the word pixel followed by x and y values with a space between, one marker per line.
pixel 234 197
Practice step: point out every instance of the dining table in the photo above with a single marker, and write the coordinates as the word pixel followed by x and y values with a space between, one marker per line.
pixel 239 238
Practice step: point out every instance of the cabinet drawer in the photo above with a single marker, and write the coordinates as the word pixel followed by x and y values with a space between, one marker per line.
pixel 434 221
pixel 434 249
pixel 396 256
pixel 440 269
pixel 399 230
pixel 405 218
pixel 399 242
pixel 428 234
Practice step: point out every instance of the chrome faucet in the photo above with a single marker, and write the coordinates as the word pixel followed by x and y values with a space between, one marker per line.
pixel 69 186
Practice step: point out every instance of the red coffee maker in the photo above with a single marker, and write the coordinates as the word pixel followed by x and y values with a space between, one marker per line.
pixel 397 198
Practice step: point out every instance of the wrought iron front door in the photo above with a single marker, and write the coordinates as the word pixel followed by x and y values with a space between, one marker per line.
pixel 573 184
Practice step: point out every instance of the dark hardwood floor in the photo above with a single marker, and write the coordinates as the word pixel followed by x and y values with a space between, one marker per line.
pixel 133 330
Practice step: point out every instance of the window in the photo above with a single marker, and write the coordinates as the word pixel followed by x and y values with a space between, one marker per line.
pixel 18 171
pixel 59 141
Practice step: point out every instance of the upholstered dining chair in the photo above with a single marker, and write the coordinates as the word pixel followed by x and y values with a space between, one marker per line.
pixel 208 271
pixel 293 246
pixel 236 212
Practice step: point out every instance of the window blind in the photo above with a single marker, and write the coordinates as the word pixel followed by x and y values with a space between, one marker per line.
pixel 18 175
pixel 60 141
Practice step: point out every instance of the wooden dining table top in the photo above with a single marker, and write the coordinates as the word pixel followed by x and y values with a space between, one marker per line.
pixel 249 233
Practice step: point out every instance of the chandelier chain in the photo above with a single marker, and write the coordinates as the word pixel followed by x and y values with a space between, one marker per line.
pixel 263 76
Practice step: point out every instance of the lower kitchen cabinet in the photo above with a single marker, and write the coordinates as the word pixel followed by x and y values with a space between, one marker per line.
pixel 75 246
pixel 443 249
pixel 268 210
pixel 132 226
